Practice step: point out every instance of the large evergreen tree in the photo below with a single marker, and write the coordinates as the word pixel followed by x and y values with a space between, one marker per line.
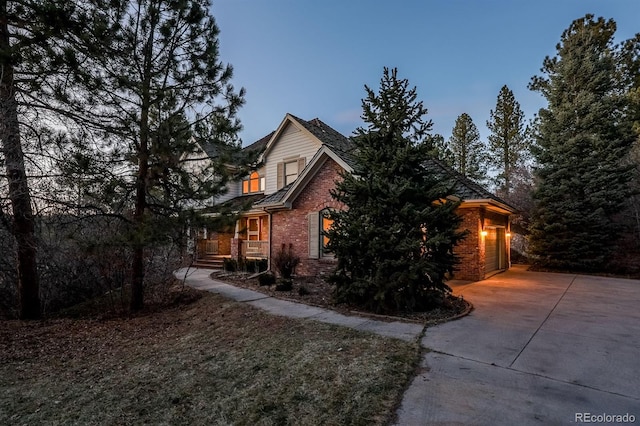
pixel 394 240
pixel 157 91
pixel 508 145
pixel 33 49
pixel 468 152
pixel 584 134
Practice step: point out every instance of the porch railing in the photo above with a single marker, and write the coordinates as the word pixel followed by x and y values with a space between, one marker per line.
pixel 254 248
pixel 211 247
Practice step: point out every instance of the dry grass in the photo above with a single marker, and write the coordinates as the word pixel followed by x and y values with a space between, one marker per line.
pixel 211 362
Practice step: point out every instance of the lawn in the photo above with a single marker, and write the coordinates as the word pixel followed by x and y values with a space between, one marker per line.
pixel 211 362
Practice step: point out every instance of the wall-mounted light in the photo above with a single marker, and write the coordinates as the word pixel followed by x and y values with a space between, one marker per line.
pixel 484 233
pixel 508 234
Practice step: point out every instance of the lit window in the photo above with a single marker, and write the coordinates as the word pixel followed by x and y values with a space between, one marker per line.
pixel 325 224
pixel 255 183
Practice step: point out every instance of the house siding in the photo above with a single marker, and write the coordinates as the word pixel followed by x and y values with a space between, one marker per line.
pixel 291 226
pixel 234 189
pixel 291 143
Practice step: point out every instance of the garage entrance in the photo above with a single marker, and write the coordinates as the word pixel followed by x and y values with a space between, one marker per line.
pixel 495 250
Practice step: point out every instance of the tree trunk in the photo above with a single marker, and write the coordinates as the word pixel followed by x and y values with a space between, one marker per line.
pixel 137 265
pixel 23 222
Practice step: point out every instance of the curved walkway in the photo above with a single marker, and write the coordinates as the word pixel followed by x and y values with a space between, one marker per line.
pixel 538 349
pixel 200 279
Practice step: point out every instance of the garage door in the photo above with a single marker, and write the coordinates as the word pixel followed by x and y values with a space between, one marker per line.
pixel 494 245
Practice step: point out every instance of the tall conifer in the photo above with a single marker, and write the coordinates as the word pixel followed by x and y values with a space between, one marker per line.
pixel 584 134
pixel 468 152
pixel 508 145
pixel 394 241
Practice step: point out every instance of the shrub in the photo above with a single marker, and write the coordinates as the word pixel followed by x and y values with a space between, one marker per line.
pixel 285 261
pixel 285 285
pixel 303 291
pixel 256 265
pixel 267 279
pixel 230 265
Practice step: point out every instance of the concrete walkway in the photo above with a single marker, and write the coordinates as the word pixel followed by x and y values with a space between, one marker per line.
pixel 200 279
pixel 538 349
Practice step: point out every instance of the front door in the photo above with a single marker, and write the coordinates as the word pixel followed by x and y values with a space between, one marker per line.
pixel 253 229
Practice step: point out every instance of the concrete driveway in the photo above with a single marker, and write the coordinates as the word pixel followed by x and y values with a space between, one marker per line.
pixel 538 349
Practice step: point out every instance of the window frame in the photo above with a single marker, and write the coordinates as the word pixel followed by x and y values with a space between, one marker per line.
pixel 253 179
pixel 325 218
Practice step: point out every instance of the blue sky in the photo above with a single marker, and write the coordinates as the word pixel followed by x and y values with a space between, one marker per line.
pixel 313 58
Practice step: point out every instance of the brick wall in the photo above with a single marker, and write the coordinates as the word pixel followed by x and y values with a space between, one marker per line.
pixel 471 250
pixel 291 226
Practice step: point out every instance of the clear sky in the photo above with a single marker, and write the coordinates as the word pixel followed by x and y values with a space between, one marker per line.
pixel 312 58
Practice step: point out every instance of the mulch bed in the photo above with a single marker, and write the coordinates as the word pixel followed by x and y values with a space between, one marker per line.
pixel 315 291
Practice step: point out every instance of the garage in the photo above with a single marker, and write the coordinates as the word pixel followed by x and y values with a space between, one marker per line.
pixel 495 250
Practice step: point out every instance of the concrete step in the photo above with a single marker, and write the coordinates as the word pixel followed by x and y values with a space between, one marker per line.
pixel 211 263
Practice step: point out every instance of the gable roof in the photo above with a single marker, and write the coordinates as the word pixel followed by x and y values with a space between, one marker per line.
pixel 259 145
pixel 467 190
pixel 327 135
pixel 338 147
pixel 316 129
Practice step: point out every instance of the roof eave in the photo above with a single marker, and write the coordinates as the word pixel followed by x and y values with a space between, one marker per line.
pixel 489 204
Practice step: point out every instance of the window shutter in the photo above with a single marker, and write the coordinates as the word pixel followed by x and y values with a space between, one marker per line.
pixel 280 175
pixel 301 164
pixel 314 235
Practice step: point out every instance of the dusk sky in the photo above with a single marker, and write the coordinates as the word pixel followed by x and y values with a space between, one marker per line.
pixel 313 58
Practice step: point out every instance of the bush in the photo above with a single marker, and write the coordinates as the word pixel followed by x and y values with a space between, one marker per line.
pixel 303 291
pixel 285 285
pixel 256 265
pixel 267 279
pixel 285 261
pixel 230 265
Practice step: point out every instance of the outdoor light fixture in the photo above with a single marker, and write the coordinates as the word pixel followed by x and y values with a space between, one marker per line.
pixel 508 234
pixel 483 233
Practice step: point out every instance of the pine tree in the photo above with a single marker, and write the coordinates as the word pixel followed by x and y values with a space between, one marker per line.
pixel 508 147
pixel 583 137
pixel 394 241
pixel 441 150
pixel 31 33
pixel 468 151
pixel 157 91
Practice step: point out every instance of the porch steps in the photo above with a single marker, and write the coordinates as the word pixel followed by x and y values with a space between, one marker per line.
pixel 210 262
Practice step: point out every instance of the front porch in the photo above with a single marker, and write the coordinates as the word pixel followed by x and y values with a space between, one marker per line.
pixel 250 240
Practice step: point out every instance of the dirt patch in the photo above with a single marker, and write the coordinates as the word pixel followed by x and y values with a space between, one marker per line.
pixel 316 291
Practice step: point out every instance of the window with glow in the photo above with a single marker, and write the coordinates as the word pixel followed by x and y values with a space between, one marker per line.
pixel 325 223
pixel 255 183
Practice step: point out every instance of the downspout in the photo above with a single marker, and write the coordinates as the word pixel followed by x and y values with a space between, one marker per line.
pixel 269 239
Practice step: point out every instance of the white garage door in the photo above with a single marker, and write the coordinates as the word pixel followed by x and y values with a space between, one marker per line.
pixel 495 247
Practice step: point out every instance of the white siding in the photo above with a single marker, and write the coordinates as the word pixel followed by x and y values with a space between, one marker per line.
pixel 291 143
pixel 235 190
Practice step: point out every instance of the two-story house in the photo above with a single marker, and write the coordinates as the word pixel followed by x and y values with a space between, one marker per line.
pixel 289 195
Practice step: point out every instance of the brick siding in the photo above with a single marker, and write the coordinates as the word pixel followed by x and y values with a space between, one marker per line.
pixel 291 226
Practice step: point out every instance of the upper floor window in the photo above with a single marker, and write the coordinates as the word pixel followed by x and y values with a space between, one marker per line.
pixel 255 183
pixel 289 170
